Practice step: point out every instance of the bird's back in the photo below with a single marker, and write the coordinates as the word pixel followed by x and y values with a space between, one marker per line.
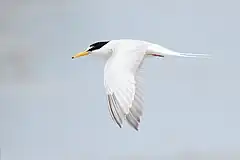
pixel 127 54
pixel 124 46
pixel 130 42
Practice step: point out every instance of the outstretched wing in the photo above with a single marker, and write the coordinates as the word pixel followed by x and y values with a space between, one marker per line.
pixel 123 84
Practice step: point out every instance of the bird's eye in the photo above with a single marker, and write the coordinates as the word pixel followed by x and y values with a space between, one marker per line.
pixel 91 48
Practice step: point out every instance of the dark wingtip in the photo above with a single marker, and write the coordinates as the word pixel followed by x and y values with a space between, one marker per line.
pixel 137 128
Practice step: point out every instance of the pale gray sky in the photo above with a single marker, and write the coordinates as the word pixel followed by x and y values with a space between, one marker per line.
pixel 59 111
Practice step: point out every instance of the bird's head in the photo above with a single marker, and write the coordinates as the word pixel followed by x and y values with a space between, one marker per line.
pixel 97 48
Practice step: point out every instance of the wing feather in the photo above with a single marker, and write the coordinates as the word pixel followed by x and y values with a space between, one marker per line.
pixel 115 110
pixel 123 81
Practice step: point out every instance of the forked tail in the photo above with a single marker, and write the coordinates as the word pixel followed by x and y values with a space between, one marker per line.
pixel 162 51
pixel 194 55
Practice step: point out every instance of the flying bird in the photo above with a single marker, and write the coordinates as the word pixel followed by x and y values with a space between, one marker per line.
pixel 122 74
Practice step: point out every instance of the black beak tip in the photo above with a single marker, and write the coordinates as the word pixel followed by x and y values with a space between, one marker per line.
pixel 72 57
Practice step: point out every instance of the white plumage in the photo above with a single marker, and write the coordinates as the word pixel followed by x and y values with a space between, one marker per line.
pixel 122 75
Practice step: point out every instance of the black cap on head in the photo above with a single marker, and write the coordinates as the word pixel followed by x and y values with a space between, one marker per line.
pixel 97 45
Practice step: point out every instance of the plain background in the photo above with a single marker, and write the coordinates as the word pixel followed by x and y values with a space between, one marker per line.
pixel 53 107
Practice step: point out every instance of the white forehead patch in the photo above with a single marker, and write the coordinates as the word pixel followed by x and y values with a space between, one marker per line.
pixel 88 48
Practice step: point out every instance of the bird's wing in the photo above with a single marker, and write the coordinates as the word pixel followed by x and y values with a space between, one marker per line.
pixel 122 80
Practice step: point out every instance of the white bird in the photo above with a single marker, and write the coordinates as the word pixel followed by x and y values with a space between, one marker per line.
pixel 122 78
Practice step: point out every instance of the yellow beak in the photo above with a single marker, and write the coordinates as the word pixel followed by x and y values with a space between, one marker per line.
pixel 80 54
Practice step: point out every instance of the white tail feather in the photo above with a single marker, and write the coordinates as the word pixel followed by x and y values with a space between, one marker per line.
pixel 154 48
pixel 194 55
